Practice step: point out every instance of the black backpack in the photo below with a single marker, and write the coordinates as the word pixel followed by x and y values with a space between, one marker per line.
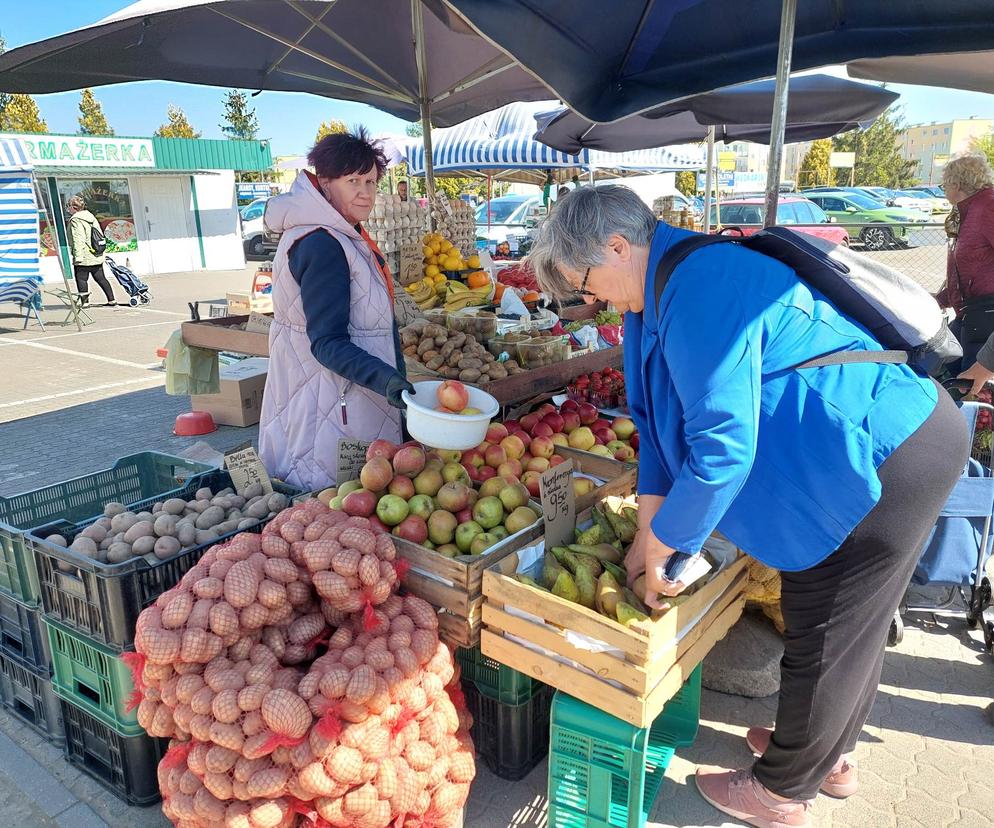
pixel 895 309
pixel 98 242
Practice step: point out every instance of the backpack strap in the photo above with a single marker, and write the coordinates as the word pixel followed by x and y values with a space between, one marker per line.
pixel 677 253
pixel 847 357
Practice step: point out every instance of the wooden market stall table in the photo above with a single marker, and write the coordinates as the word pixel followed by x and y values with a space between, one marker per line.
pixel 225 334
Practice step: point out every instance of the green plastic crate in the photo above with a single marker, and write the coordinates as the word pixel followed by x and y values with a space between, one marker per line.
pixel 496 680
pixel 604 772
pixel 147 476
pixel 93 678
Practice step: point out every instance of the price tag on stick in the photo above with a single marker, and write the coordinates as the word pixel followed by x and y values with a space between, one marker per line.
pixel 558 504
pixel 351 459
pixel 246 468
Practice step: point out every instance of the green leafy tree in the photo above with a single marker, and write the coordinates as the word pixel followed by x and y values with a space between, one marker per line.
pixel 686 182
pixel 330 127
pixel 4 96
pixel 985 145
pixel 176 125
pixel 91 116
pixel 239 120
pixel 878 156
pixel 814 169
pixel 21 115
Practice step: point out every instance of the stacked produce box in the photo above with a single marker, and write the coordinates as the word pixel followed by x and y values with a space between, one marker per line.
pixel 394 223
pixel 456 220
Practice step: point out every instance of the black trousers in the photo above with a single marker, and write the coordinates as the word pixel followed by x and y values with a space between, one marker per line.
pixel 83 274
pixel 837 614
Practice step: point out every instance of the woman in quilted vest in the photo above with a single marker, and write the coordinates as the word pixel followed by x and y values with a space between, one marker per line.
pixel 335 363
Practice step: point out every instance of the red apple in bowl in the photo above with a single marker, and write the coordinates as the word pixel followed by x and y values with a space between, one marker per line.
pixel 453 395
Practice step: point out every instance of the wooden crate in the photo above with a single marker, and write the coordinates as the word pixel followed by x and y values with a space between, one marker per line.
pixel 455 585
pixel 222 334
pixel 619 478
pixel 632 684
pixel 553 377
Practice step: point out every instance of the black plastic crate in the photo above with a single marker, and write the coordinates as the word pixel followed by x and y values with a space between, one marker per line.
pixel 125 765
pixel 30 697
pixel 103 601
pixel 511 739
pixel 22 634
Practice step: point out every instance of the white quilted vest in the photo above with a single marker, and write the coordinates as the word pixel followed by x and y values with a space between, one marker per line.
pixel 302 418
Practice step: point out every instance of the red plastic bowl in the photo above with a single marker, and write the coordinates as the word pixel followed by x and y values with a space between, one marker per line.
pixel 194 424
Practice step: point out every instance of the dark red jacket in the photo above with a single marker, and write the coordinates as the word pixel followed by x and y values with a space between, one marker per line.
pixel 970 267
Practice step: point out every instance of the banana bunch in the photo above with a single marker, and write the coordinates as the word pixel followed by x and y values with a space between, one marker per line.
pixel 426 293
pixel 459 296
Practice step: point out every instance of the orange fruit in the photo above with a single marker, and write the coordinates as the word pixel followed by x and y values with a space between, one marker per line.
pixel 499 291
pixel 478 279
pixel 531 296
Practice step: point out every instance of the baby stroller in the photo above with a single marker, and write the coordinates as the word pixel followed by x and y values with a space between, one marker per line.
pixel 135 287
pixel 957 551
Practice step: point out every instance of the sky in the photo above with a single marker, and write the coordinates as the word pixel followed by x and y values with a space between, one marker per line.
pixel 290 120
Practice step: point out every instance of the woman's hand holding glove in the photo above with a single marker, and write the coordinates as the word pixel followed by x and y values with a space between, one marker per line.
pixel 395 385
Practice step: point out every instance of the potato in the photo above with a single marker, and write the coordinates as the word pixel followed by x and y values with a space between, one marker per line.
pixel 204 494
pixel 226 527
pixel 98 533
pixel 247 523
pixel 143 545
pixel 198 506
pixel 255 490
pixel 174 506
pixel 226 492
pixel 469 375
pixel 277 502
pixel 166 547
pixel 205 536
pixel 187 534
pixel 258 508
pixel 123 521
pixel 237 501
pixel 141 529
pixel 470 363
pixel 84 546
pixel 223 501
pixel 435 363
pixel 58 540
pixel 114 508
pixel 145 516
pixel 119 552
pixel 210 517
pixel 165 525
pixel 156 508
pixel 104 522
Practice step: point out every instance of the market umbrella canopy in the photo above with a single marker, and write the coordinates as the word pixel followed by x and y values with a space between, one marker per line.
pixel 973 71
pixel 356 50
pixel 819 106
pixel 611 60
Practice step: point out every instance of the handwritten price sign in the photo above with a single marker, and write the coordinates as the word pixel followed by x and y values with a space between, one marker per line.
pixel 246 468
pixel 558 504
pixel 351 459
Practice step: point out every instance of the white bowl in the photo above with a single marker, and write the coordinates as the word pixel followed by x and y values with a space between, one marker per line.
pixel 441 430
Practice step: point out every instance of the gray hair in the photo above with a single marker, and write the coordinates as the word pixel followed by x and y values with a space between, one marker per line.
pixel 970 172
pixel 575 233
pixel 76 203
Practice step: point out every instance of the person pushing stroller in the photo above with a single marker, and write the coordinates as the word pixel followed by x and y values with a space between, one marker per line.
pixel 88 259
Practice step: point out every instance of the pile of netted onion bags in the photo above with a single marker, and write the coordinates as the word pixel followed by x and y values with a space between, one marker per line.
pixel 299 689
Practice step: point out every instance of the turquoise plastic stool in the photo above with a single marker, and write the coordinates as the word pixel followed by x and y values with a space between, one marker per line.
pixel 604 772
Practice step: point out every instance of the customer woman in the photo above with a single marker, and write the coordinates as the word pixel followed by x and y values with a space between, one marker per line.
pixel 833 475
pixel 335 364
pixel 968 182
pixel 86 261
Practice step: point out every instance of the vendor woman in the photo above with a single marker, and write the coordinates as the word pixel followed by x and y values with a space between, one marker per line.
pixel 335 364
pixel 833 475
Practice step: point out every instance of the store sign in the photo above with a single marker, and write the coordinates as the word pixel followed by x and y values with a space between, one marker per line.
pixel 86 151
pixel 726 180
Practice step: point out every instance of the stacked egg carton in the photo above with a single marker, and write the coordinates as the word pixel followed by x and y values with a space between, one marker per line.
pixel 394 223
pixel 456 220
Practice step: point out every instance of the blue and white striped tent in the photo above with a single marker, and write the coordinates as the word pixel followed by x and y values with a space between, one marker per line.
pixel 19 241
pixel 503 140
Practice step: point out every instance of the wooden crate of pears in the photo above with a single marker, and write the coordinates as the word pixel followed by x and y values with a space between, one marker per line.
pixel 571 622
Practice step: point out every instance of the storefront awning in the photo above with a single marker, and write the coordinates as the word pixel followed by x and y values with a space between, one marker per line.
pixel 112 172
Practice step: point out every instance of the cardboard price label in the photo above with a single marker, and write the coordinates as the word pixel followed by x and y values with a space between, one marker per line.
pixel 558 504
pixel 246 468
pixel 411 263
pixel 351 459
pixel 258 323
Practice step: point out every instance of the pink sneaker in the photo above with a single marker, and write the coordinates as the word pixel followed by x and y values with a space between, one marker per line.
pixel 841 782
pixel 738 794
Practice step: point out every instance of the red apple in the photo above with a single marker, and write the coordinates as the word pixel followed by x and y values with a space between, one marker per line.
pixel 465 515
pixel 413 529
pixel 543 447
pixel 546 408
pixel 381 448
pixel 523 436
pixel 606 434
pixel 495 456
pixel 512 425
pixel 568 405
pixel 513 446
pixel 531 481
pixel 542 429
pixel 555 460
pixel 571 421
pixel 377 526
pixel 411 444
pixel 528 422
pixel 512 468
pixel 554 421
pixel 560 440
pixel 472 471
pixel 624 453
pixel 402 486
pixel 496 432
pixel 539 464
pixel 485 473
pixel 600 422
pixel 587 412
pixel 634 442
pixel 623 427
pixel 453 395
pixel 525 458
pixel 473 457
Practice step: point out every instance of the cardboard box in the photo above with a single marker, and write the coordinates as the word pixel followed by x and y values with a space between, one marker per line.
pixel 239 403
pixel 242 304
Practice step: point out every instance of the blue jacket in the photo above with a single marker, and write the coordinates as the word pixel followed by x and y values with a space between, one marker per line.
pixel 784 462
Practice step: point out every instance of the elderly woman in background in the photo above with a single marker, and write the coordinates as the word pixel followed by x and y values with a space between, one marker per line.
pixel 335 364
pixel 834 475
pixel 968 182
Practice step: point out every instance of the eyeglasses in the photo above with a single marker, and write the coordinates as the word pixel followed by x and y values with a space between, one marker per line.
pixel 583 286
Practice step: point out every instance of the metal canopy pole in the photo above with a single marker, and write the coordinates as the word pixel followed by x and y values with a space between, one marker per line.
pixel 418 29
pixel 787 18
pixel 708 178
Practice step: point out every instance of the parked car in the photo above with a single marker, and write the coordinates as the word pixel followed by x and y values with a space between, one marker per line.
pixel 744 216
pixel 888 226
pixel 931 189
pixel 252 228
pixel 893 198
pixel 510 214
pixel 937 204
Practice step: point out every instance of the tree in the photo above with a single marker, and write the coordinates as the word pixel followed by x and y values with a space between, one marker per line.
pixel 878 157
pixel 985 145
pixel 91 116
pixel 4 96
pixel 21 115
pixel 330 127
pixel 686 182
pixel 414 130
pixel 239 121
pixel 176 126
pixel 814 168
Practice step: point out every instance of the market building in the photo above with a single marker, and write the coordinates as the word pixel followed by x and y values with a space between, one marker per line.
pixel 166 205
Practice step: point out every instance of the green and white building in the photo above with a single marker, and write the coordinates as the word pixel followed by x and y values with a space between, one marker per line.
pixel 166 205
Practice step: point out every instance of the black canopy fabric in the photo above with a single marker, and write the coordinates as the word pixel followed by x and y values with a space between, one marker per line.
pixel 610 60
pixel 819 106
pixel 356 50
pixel 973 71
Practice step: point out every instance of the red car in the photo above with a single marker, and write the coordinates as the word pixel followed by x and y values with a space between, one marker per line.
pixel 744 216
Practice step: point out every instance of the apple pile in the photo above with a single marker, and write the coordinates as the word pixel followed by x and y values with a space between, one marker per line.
pixel 604 389
pixel 427 497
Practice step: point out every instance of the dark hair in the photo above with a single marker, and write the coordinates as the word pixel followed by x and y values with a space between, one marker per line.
pixel 564 190
pixel 344 153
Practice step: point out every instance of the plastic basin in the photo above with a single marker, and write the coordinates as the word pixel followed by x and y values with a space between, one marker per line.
pixel 441 430
pixel 193 424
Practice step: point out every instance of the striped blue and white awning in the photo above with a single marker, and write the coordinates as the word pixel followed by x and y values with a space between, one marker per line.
pixel 19 241
pixel 503 140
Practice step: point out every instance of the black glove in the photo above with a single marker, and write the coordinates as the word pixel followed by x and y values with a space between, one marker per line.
pixel 395 385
